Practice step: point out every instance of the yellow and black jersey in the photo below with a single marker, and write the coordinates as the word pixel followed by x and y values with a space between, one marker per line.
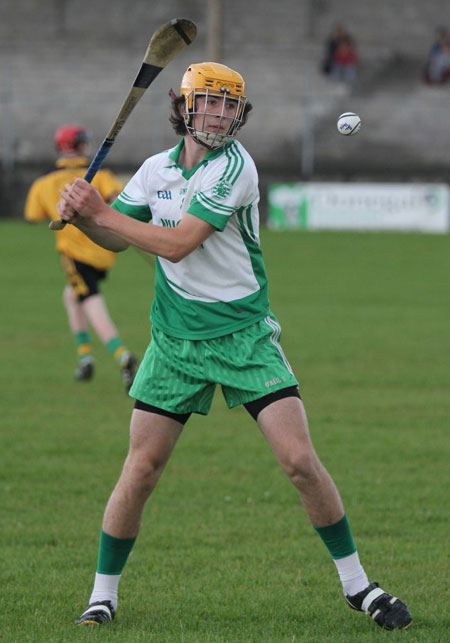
pixel 43 197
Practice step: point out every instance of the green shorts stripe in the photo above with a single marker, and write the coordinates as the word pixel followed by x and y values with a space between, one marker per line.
pixel 180 375
pixel 275 339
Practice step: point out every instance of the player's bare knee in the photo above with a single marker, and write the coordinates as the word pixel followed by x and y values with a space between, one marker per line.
pixel 142 473
pixel 303 468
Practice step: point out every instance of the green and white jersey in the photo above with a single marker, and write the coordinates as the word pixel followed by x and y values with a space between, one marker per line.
pixel 221 286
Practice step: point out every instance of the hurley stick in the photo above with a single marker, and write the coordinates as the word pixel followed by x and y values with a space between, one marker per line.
pixel 167 41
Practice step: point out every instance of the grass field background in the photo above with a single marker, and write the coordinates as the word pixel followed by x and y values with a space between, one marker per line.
pixel 226 553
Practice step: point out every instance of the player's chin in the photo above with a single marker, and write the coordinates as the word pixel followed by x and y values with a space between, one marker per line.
pixel 219 131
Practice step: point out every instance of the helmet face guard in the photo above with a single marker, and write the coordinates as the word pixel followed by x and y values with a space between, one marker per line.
pixel 214 102
pixel 227 119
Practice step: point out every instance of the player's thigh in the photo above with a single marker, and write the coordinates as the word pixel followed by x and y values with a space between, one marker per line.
pixel 285 426
pixel 69 296
pixel 152 439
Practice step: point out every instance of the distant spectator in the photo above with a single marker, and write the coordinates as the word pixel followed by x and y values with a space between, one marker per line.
pixel 344 61
pixel 340 61
pixel 437 70
pixel 330 46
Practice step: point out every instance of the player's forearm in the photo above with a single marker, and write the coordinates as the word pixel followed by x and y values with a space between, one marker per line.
pixel 100 235
pixel 83 206
pixel 164 242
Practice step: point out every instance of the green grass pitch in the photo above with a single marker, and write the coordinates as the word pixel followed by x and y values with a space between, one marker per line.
pixel 226 553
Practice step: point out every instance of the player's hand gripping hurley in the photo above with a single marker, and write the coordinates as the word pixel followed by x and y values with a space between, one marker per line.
pixel 167 41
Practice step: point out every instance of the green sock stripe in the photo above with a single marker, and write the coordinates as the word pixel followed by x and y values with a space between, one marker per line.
pixel 113 553
pixel 82 338
pixel 338 538
pixel 113 344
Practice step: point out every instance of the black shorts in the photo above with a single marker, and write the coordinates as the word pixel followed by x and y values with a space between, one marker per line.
pixel 83 278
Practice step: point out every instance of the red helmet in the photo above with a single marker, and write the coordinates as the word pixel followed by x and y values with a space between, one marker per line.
pixel 69 137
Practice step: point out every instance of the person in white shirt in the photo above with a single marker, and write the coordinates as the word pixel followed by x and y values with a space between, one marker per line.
pixel 195 207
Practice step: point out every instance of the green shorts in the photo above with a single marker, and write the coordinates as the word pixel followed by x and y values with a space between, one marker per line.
pixel 180 375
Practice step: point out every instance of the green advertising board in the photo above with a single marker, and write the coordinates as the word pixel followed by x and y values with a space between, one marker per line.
pixel 287 206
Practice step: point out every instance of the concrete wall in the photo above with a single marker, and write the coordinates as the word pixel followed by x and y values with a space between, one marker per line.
pixel 74 60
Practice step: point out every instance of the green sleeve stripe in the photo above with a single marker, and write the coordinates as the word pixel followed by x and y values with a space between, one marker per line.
pixel 126 197
pixel 236 165
pixel 239 218
pixel 227 169
pixel 139 212
pixel 248 214
pixel 234 155
pixel 231 165
pixel 219 221
pixel 246 226
pixel 207 202
pixel 241 166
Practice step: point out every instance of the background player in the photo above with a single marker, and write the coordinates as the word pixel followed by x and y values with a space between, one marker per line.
pixel 84 263
pixel 211 324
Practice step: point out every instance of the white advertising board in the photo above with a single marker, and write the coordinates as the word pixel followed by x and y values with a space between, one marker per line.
pixel 360 206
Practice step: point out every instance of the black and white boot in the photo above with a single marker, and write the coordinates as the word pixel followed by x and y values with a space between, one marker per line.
pixel 85 369
pixel 386 610
pixel 128 367
pixel 97 614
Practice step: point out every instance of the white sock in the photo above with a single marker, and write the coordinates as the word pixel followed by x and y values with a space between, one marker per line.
pixel 105 589
pixel 125 356
pixel 351 574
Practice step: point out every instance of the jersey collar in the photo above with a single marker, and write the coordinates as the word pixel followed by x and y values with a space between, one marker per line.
pixel 72 161
pixel 174 155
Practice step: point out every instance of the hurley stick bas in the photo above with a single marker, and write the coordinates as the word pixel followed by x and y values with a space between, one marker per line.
pixel 166 43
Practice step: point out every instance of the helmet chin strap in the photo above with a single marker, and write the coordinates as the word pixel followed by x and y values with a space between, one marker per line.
pixel 210 140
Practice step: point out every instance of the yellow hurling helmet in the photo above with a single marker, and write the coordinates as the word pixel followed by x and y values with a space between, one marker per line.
pixel 212 80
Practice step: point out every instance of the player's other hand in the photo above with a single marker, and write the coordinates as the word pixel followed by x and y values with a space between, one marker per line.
pixel 65 211
pixel 80 198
